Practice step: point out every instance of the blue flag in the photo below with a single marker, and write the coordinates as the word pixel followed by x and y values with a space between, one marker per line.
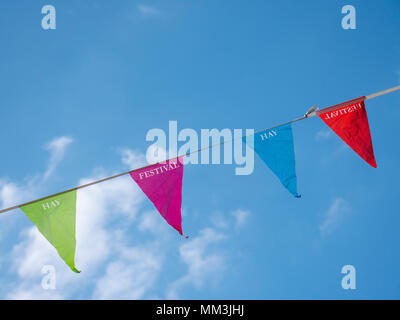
pixel 275 147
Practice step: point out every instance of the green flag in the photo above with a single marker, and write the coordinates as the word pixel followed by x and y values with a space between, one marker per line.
pixel 55 219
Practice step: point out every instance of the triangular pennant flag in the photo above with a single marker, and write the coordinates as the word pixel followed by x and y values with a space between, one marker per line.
pixel 275 147
pixel 55 218
pixel 162 183
pixel 351 124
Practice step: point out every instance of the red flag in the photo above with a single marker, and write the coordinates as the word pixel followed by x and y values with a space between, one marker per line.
pixel 351 124
pixel 162 183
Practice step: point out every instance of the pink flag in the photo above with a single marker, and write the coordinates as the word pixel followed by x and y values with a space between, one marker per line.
pixel 162 183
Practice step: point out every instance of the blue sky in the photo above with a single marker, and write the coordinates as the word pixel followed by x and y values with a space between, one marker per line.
pixel 76 104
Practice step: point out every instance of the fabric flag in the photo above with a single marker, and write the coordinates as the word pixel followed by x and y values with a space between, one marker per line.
pixel 351 124
pixel 275 147
pixel 162 183
pixel 55 218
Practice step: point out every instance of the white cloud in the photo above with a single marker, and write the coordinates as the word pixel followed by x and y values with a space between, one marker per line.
pixel 146 10
pixel 32 253
pixel 241 217
pixel 97 207
pixel 323 135
pixel 204 259
pixel 34 292
pixel 154 223
pixel 133 159
pixel 121 251
pixel 11 193
pixel 155 154
pixel 222 221
pixel 28 258
pixel 57 149
pixel 131 276
pixel 202 263
pixel 109 263
pixel 333 216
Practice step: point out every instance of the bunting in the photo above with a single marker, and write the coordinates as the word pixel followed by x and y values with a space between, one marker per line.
pixel 55 218
pixel 351 124
pixel 162 183
pixel 275 147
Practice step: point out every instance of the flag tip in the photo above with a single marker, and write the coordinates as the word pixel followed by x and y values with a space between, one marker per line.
pixel 75 270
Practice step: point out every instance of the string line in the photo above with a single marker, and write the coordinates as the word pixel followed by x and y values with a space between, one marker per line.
pixel 306 116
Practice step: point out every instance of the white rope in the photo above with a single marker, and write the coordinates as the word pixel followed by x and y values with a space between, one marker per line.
pixel 309 114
